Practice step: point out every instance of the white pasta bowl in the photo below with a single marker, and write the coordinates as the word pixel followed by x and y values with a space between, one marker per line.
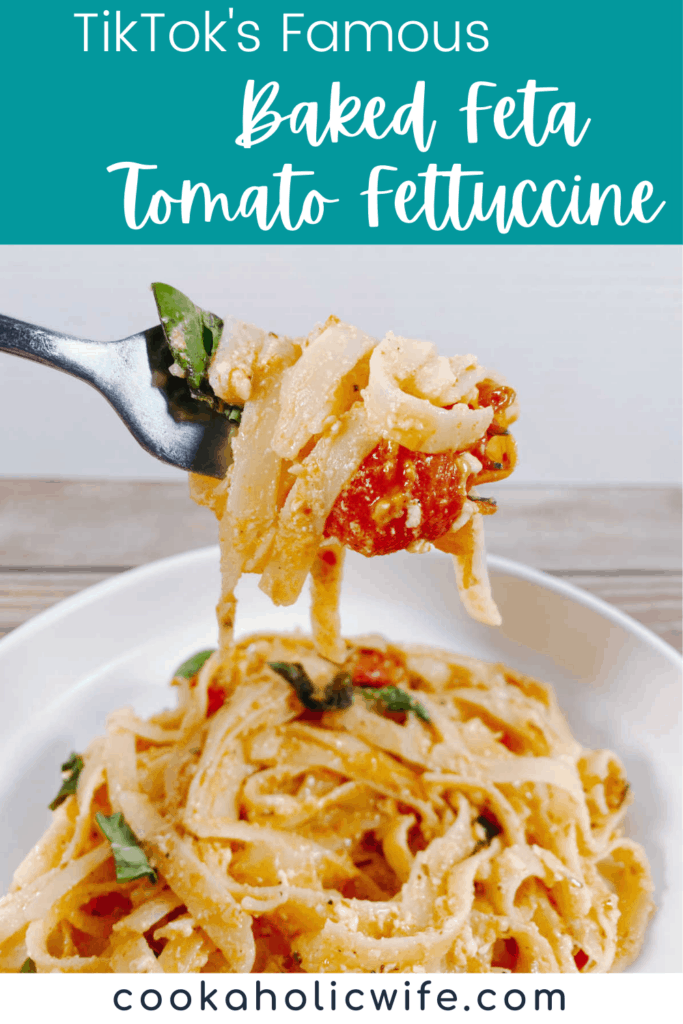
pixel 118 642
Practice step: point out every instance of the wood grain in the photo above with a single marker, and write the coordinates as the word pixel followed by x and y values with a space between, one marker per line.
pixel 622 544
pixel 574 528
pixel 84 524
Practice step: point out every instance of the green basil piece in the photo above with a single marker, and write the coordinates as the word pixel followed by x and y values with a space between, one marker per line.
pixel 190 667
pixel 394 699
pixel 491 828
pixel 192 333
pixel 71 770
pixel 335 696
pixel 28 967
pixel 130 859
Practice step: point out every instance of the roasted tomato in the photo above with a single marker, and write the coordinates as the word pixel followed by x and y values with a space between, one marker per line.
pixel 108 904
pixel 498 456
pixel 501 399
pixel 397 497
pixel 497 450
pixel 370 667
pixel 215 699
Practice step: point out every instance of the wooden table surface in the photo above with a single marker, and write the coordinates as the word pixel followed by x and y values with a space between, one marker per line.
pixel 621 543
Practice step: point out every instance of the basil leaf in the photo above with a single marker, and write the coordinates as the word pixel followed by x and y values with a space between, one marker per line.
pixel 71 769
pixel 129 857
pixel 395 699
pixel 192 333
pixel 491 828
pixel 190 667
pixel 28 967
pixel 336 695
pixel 212 329
pixel 487 501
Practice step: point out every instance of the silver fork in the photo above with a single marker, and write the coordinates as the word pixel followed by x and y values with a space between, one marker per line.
pixel 133 376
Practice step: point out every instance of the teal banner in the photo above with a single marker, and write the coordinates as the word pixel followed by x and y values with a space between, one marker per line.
pixel 356 121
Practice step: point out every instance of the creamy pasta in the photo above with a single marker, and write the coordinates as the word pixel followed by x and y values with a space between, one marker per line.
pixel 324 804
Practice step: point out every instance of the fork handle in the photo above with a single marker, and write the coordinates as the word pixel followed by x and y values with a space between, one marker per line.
pixel 119 370
pixel 76 356
pixel 125 372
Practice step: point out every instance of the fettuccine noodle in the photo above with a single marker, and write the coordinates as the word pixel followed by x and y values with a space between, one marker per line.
pixel 436 814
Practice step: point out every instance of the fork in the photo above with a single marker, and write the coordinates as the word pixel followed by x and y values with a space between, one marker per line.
pixel 133 376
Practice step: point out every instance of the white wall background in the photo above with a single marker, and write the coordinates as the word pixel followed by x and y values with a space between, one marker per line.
pixel 588 335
